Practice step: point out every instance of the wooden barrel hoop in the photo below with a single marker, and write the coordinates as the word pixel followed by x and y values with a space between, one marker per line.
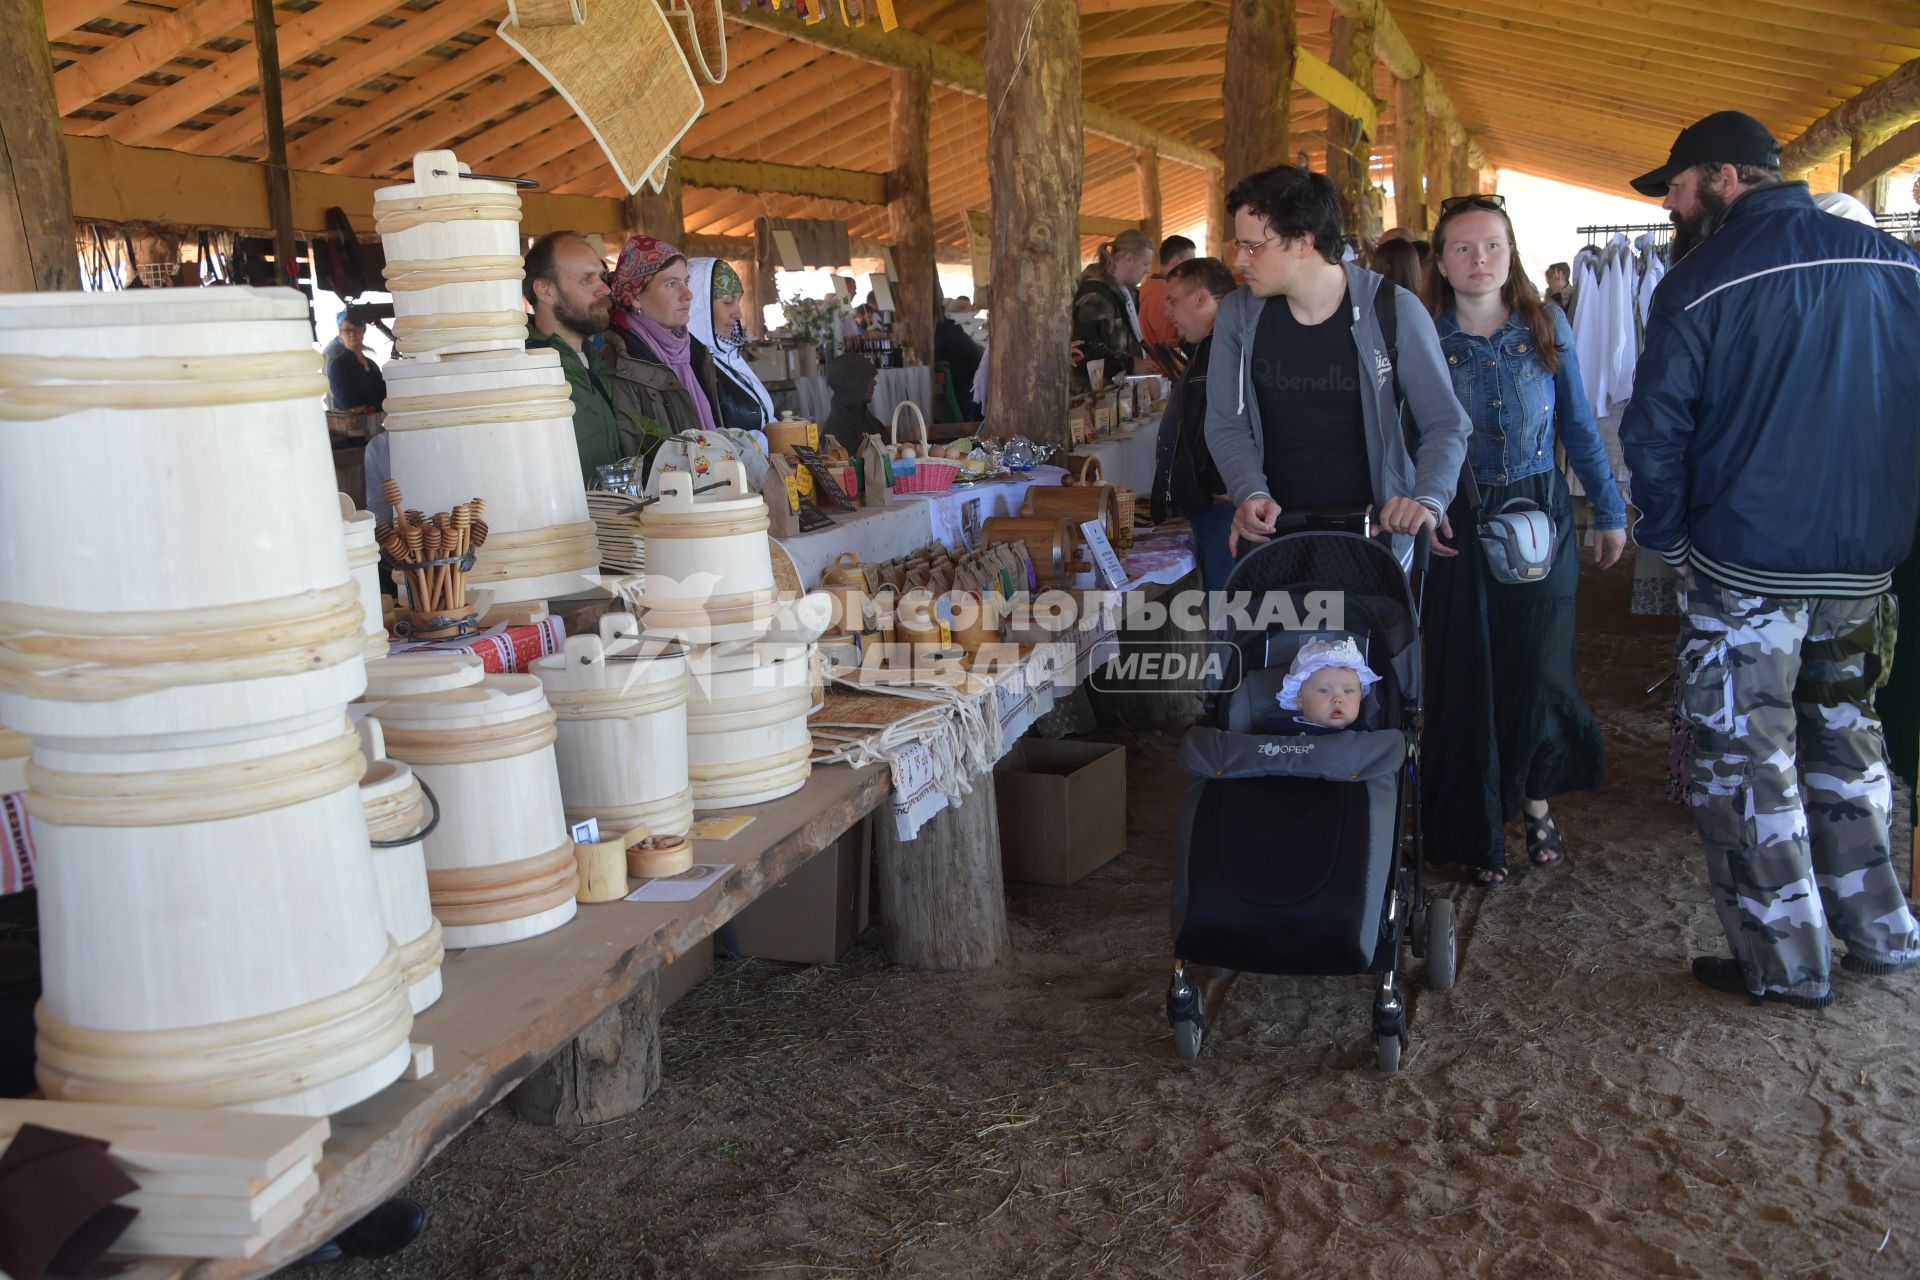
pixel 473 744
pixel 153 382
pixel 504 890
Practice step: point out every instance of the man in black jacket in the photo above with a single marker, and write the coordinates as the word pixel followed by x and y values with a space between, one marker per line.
pixel 1185 479
pixel 1775 465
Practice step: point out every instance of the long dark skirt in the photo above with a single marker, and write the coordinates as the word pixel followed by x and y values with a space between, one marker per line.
pixel 1504 719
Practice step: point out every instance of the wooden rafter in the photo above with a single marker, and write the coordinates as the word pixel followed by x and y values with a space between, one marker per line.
pixel 153 45
pixel 349 68
pixel 1883 159
pixel 431 91
pixel 64 15
pixel 1887 103
pixel 1156 42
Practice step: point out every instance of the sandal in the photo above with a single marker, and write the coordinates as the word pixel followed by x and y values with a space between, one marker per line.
pixel 1489 877
pixel 1545 846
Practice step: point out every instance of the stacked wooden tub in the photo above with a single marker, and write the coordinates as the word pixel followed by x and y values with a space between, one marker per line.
pixel 179 636
pixel 470 411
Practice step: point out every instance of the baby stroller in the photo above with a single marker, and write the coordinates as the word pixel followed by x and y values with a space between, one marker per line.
pixel 1302 855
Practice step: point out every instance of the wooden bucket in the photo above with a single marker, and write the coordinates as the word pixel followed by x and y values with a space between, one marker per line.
pixel 398 812
pixel 1077 504
pixel 622 724
pixel 1081 469
pixel 747 736
pixel 210 922
pixel 784 433
pixel 1049 540
pixel 709 572
pixel 498 427
pixel 453 260
pixel 168 505
pixel 363 561
pixel 500 864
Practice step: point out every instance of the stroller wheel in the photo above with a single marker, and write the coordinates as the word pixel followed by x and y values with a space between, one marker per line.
pixel 1440 945
pixel 1387 1049
pixel 1186 1015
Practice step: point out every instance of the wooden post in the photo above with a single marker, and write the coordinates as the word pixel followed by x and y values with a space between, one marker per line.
pixel 765 291
pixel 910 213
pixel 1465 179
pixel 1219 225
pixel 1258 86
pixel 607 1072
pixel 36 212
pixel 943 904
pixel 658 213
pixel 1873 191
pixel 1410 156
pixel 1146 169
pixel 1035 158
pixel 1347 151
pixel 266 47
pixel 1439 169
pixel 751 314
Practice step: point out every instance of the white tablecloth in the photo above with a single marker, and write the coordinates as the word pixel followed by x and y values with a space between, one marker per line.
pixel 913 520
pixel 1126 456
pixel 915 383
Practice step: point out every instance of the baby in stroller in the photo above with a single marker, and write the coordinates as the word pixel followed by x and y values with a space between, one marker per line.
pixel 1326 685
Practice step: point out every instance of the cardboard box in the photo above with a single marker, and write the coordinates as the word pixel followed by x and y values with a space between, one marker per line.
pixel 812 916
pixel 694 967
pixel 1063 809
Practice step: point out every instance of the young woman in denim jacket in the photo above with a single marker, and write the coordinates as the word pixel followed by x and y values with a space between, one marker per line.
pixel 1501 655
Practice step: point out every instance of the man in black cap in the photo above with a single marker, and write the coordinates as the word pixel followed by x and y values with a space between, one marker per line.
pixel 1774 444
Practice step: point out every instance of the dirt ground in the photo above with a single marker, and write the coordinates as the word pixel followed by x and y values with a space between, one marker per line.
pixel 1577 1106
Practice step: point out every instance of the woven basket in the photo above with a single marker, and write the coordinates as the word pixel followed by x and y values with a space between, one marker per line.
pixel 930 475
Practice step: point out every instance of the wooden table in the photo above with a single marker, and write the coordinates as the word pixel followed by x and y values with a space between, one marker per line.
pixel 508 1009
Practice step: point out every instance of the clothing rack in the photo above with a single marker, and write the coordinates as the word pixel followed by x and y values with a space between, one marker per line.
pixel 1898 221
pixel 1625 228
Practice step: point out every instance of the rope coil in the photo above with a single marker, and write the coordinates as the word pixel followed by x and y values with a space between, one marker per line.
pixel 231 1063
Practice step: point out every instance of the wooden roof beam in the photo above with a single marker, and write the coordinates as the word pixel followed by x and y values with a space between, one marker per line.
pixel 1148 72
pixel 819 181
pixel 235 72
pixel 64 15
pixel 1156 42
pixel 153 45
pixel 429 92
pixel 351 66
pixel 1887 103
pixel 904 49
pixel 1391 46
pixel 1888 156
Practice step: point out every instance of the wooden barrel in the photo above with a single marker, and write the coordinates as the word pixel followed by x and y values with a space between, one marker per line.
pixel 453 259
pixel 1078 504
pixel 1050 543
pixel 498 427
pixel 709 571
pixel 210 920
pixel 784 433
pixel 747 737
pixel 363 561
pixel 622 722
pixel 500 864
pixel 396 808
pixel 170 550
pixel 14 750
pixel 409 675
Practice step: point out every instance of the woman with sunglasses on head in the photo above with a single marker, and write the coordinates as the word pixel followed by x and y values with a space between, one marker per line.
pixel 1501 653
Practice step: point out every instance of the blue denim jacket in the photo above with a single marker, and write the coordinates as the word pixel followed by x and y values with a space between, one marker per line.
pixel 1514 404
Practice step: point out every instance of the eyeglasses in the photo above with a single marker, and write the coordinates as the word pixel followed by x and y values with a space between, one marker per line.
pixel 1497 203
pixel 1252 248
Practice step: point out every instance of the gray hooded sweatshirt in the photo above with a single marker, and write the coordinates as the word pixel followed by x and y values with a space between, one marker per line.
pixel 1441 425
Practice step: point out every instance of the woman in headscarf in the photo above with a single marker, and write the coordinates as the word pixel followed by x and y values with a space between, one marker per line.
pixel 660 372
pixel 851 378
pixel 741 402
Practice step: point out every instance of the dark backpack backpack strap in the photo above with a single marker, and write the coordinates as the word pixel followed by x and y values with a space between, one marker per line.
pixel 1387 315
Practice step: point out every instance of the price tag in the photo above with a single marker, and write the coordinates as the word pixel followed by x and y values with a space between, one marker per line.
pixel 1105 563
pixel 587 831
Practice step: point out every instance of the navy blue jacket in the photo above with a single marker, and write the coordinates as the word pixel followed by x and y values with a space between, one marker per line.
pixel 1774 433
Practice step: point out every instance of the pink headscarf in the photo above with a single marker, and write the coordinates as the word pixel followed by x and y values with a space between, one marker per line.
pixel 641 259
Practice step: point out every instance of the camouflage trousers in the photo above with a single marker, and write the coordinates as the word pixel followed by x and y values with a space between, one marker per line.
pixel 1778 693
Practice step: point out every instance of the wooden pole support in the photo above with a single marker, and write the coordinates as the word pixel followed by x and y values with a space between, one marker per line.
pixel 1258 85
pixel 943 902
pixel 610 1069
pixel 266 43
pixel 910 213
pixel 36 214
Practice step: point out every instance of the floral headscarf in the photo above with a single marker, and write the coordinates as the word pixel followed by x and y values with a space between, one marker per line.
pixel 641 259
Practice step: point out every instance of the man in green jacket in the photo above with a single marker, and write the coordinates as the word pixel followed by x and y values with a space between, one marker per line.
pixel 567 289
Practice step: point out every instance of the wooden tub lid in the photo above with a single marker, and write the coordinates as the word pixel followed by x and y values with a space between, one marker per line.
pixel 410 674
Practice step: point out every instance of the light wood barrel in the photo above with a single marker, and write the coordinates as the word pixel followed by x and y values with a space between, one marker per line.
pixel 498 427
pixel 621 710
pixel 747 736
pixel 1050 543
pixel 170 549
pixel 396 808
pixel 210 922
pixel 500 864
pixel 453 259
pixel 709 573
pixel 14 750
pixel 363 561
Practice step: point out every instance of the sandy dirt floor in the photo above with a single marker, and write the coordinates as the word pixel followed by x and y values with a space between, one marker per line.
pixel 1577 1106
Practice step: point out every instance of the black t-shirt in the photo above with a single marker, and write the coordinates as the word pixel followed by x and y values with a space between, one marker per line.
pixel 1307 378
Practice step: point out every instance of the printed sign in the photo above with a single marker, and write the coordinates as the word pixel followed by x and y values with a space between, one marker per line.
pixel 587 832
pixel 1106 564
pixel 825 485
